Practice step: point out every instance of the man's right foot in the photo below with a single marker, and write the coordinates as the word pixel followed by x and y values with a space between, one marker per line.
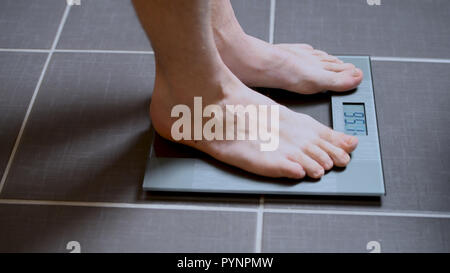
pixel 306 147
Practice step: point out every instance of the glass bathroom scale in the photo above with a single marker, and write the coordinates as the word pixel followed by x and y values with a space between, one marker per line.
pixel 174 167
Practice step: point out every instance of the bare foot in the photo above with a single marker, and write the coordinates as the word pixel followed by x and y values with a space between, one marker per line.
pixel 188 65
pixel 295 67
pixel 306 147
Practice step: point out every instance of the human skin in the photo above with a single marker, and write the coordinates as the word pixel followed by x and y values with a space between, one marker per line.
pixel 295 67
pixel 189 64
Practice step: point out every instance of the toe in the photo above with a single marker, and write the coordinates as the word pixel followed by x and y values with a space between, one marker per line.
pixel 339 60
pixel 341 140
pixel 312 168
pixel 335 67
pixel 291 169
pixel 320 156
pixel 344 80
pixel 317 52
pixel 339 156
pixel 330 59
pixel 296 47
pixel 305 46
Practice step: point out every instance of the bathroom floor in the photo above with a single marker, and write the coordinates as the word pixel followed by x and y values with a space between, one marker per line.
pixel 75 134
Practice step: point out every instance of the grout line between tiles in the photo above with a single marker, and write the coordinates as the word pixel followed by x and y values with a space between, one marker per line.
pixel 362 213
pixel 103 51
pixel 272 20
pixel 33 98
pixel 259 225
pixel 414 60
pixel 261 209
pixel 32 50
pixel 150 52
pixel 27 50
pixel 125 205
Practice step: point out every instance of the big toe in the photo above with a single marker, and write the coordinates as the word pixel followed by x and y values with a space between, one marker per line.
pixel 338 78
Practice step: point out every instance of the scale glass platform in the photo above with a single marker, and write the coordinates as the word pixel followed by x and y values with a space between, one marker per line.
pixel 177 168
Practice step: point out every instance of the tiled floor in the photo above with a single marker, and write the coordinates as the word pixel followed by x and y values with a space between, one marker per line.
pixel 400 28
pixel 413 121
pixel 19 73
pixel 79 81
pixel 29 24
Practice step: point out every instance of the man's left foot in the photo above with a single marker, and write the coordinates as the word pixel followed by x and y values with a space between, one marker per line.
pixel 295 67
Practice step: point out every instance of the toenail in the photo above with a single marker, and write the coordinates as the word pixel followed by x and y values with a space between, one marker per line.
pixel 350 140
pixel 355 72
pixel 343 156
pixel 330 164
pixel 301 174
pixel 319 172
pixel 347 159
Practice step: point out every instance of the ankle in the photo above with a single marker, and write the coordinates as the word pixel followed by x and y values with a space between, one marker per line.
pixel 180 88
pixel 168 93
pixel 247 56
pixel 226 34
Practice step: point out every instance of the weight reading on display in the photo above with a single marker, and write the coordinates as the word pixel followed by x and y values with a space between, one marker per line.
pixel 355 119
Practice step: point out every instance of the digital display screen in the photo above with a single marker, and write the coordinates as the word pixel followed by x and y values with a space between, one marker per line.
pixel 355 119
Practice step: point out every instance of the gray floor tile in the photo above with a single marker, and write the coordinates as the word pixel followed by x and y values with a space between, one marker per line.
pixel 253 16
pixel 105 25
pixel 50 228
pixel 19 74
pixel 406 28
pixel 345 233
pixel 88 135
pixel 29 24
pixel 413 117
